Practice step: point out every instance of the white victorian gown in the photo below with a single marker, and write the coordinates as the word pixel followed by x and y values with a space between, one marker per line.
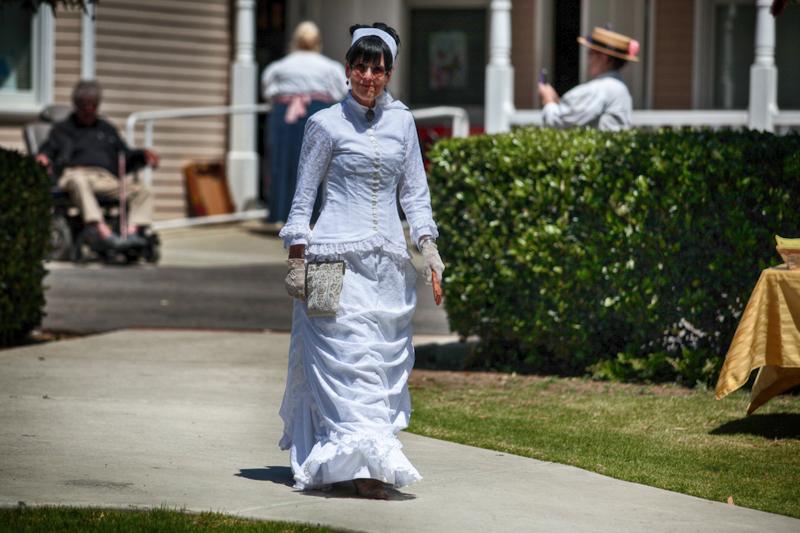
pixel 347 386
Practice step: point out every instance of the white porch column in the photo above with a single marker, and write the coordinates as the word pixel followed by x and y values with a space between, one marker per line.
pixel 87 42
pixel 499 73
pixel 242 159
pixel 763 73
pixel 47 69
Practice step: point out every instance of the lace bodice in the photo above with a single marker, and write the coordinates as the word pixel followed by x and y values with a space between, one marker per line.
pixel 364 164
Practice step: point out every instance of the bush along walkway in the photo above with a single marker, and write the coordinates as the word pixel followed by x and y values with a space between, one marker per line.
pixel 626 255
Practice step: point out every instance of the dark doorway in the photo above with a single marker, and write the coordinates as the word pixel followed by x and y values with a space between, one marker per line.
pixel 271 45
pixel 567 54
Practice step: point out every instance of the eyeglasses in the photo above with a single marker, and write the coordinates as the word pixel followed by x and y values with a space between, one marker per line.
pixel 361 69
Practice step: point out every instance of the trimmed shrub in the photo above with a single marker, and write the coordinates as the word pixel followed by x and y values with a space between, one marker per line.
pixel 626 255
pixel 25 213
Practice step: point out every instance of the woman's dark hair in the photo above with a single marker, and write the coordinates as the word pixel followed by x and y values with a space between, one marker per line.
pixel 369 49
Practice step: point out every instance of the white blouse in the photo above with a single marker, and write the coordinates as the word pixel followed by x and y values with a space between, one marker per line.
pixel 604 103
pixel 304 72
pixel 363 164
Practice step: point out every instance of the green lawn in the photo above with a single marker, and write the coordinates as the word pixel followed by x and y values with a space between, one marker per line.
pixel 664 436
pixel 80 520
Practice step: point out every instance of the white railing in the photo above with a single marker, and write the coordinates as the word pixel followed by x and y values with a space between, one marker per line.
pixel 149 118
pixel 787 121
pixel 784 120
pixel 460 128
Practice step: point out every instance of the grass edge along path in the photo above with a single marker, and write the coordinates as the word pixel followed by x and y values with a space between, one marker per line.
pixel 66 519
pixel 663 436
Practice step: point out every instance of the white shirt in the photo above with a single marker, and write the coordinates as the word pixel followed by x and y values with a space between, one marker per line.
pixel 604 103
pixel 304 72
pixel 364 164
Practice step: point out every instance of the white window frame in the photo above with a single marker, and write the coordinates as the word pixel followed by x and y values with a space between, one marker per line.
pixel 28 104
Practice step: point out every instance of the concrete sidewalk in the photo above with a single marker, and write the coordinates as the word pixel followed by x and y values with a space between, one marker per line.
pixel 220 277
pixel 188 419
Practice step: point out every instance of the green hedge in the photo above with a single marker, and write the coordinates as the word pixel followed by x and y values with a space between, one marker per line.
pixel 627 255
pixel 25 212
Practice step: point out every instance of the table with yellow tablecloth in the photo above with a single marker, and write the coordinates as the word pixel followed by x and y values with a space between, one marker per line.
pixel 767 338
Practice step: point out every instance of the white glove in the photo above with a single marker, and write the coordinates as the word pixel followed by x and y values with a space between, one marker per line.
pixel 432 260
pixel 295 281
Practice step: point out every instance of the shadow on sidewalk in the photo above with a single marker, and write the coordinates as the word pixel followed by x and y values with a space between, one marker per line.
pixel 346 489
pixel 282 475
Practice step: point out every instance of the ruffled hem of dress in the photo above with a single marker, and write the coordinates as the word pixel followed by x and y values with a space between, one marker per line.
pixel 382 455
pixel 331 250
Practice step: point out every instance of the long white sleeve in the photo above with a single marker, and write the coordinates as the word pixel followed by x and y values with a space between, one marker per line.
pixel 315 156
pixel 415 198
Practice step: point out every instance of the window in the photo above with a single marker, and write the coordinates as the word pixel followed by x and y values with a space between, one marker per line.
pixel 726 51
pixel 26 64
pixel 449 51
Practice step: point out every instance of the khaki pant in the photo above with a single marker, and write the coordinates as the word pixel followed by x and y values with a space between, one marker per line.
pixel 83 183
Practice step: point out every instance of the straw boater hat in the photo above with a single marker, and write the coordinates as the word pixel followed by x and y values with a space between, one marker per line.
pixel 611 43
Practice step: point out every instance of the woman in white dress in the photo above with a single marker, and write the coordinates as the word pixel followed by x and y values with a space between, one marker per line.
pixel 347 386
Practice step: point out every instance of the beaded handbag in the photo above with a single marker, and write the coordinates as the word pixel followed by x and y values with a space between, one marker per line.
pixel 324 280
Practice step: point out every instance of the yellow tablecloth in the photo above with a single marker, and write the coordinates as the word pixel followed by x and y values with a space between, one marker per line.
pixel 768 338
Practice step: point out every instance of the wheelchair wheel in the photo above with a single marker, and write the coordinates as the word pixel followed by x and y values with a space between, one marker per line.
pixel 60 239
pixel 82 251
pixel 152 252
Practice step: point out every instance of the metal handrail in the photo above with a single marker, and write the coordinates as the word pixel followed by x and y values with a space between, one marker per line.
pixel 676 118
pixel 458 114
pixel 460 128
pixel 150 117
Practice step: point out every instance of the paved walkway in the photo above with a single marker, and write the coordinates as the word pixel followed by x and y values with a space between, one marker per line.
pixel 228 277
pixel 188 419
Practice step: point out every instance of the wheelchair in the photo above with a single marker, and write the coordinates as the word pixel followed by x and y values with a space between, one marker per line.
pixel 70 239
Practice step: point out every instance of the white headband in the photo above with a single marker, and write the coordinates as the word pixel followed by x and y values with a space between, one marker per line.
pixel 385 37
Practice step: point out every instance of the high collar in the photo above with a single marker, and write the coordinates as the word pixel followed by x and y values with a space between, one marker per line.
pixel 383 102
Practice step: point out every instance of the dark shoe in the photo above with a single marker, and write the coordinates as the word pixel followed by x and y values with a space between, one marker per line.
pixel 98 243
pixel 133 241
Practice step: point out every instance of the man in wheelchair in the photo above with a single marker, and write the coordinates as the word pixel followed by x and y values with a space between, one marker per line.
pixel 82 153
